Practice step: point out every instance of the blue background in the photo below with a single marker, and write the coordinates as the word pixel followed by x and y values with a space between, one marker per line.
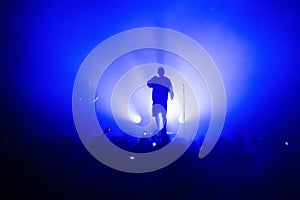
pixel 255 44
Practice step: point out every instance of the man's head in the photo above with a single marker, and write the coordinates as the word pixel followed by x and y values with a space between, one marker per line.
pixel 161 71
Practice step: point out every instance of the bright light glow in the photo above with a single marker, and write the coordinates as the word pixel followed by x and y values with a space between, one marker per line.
pixel 174 108
pixel 180 120
pixel 154 144
pixel 139 104
pixel 137 119
pixel 131 157
pixel 286 144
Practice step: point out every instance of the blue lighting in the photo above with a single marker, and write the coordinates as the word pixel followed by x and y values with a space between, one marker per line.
pixel 255 45
pixel 243 48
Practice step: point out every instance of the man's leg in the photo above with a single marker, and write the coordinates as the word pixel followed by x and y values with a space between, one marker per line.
pixel 164 135
pixel 159 126
pixel 164 121
pixel 157 120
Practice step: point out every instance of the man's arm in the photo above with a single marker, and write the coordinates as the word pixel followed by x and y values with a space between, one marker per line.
pixel 151 82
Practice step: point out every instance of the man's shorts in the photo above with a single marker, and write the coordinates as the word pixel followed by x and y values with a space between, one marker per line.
pixel 158 108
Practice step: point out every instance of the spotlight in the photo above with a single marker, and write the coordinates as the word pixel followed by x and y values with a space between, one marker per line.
pixel 137 119
pixel 131 157
pixel 154 144
pixel 180 120
pixel 286 144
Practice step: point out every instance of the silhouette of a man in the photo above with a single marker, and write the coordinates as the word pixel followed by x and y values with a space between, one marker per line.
pixel 161 86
